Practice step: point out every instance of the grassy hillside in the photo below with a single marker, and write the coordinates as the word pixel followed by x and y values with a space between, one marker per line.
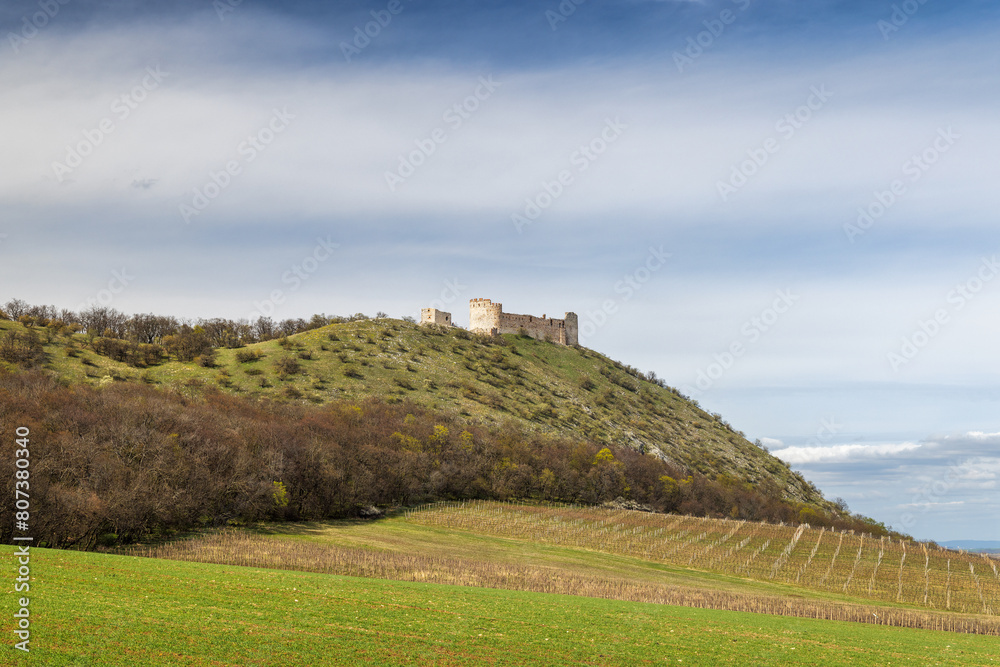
pixel 572 391
pixel 97 609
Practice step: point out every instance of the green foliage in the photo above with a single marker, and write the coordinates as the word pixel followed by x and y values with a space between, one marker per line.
pixel 279 494
pixel 604 456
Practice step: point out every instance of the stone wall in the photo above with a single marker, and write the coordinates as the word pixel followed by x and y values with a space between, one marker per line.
pixel 488 317
pixel 435 316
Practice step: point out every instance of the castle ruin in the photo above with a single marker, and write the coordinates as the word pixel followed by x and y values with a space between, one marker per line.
pixel 435 316
pixel 488 318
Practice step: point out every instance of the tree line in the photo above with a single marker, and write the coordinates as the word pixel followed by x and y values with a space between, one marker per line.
pixel 148 328
pixel 128 462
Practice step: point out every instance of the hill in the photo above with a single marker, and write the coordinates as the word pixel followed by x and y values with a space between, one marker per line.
pixel 542 387
pixel 975 546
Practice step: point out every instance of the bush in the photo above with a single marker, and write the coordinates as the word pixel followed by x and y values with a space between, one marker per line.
pixel 206 359
pixel 248 356
pixel 22 349
pixel 286 366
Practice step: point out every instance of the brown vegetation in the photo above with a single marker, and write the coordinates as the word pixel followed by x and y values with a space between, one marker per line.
pixel 119 462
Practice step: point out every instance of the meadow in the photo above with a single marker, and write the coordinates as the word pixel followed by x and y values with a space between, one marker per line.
pixel 101 609
pixel 626 555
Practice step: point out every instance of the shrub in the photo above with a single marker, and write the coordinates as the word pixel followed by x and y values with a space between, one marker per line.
pixel 286 366
pixel 206 359
pixel 22 349
pixel 248 356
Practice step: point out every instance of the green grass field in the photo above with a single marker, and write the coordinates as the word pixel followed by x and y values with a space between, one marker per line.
pixel 99 609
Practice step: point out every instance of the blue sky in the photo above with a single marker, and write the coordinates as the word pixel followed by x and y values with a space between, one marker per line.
pixel 821 175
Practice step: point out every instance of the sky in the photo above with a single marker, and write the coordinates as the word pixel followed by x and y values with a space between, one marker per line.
pixel 785 209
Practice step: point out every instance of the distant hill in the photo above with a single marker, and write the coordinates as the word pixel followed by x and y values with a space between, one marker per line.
pixel 569 391
pixel 974 546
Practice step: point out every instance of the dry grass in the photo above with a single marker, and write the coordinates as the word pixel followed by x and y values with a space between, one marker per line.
pixel 882 570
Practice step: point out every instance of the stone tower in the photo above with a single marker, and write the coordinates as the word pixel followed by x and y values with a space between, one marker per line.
pixel 484 316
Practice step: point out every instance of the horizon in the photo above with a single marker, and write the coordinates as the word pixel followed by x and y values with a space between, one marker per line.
pixel 783 210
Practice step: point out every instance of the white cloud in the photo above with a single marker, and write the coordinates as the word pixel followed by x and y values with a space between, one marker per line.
pixel 842 453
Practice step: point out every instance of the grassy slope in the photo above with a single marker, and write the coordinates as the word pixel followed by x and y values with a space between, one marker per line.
pixel 400 536
pixel 96 609
pixel 422 535
pixel 537 384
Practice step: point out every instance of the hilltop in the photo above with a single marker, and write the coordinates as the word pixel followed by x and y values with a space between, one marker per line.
pixel 540 386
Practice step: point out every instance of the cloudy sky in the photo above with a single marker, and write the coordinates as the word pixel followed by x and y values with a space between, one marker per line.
pixel 787 209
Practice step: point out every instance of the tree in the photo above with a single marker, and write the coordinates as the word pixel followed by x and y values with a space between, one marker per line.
pixel 15 308
pixel 149 328
pixel 263 329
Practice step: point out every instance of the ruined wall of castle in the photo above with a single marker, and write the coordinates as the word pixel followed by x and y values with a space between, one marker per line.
pixel 488 317
pixel 435 316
